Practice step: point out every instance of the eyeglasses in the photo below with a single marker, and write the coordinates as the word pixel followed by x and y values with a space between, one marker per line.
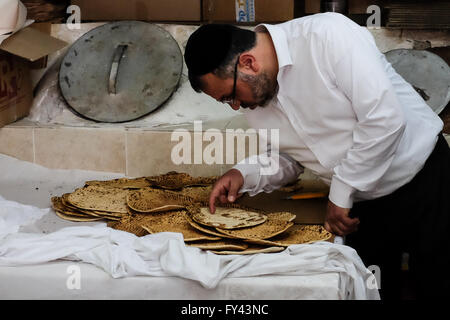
pixel 230 100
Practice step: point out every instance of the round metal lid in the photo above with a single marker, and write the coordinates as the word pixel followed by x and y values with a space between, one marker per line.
pixel 426 72
pixel 120 71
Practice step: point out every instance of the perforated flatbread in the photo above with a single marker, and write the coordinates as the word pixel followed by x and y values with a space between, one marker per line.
pixel 129 224
pixel 99 198
pixel 68 214
pixel 275 224
pixel 178 180
pixel 174 221
pixel 204 229
pixel 220 245
pixel 81 213
pixel 155 200
pixel 297 234
pixel 75 218
pixel 66 204
pixel 228 217
pixel 282 216
pixel 124 183
pixel 59 206
pixel 198 194
pixel 94 213
pixel 250 250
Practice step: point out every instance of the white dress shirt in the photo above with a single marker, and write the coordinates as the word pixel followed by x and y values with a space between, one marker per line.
pixel 342 111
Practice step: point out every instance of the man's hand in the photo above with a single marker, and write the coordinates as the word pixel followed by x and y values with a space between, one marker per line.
pixel 338 222
pixel 226 188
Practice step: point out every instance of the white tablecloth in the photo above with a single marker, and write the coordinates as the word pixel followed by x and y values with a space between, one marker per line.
pixel 49 281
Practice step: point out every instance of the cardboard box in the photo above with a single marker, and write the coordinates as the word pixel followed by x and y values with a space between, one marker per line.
pixel 16 94
pixel 144 10
pixel 16 56
pixel 45 27
pixel 248 11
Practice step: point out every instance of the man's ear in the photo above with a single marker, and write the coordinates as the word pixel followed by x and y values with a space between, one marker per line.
pixel 248 62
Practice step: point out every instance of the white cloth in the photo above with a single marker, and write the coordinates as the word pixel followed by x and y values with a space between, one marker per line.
pixel 13 16
pixel 342 111
pixel 122 254
pixel 49 281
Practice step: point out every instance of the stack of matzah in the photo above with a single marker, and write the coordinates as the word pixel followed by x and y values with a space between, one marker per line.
pixel 109 199
pixel 156 204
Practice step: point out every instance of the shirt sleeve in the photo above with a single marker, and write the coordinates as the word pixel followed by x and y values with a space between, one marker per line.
pixel 355 64
pixel 258 177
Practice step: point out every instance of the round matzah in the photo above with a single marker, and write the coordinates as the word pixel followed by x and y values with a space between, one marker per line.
pixel 174 221
pixel 154 200
pixel 276 223
pixel 58 205
pixel 282 216
pixel 204 229
pixel 219 245
pixel 75 218
pixel 124 183
pixel 297 234
pixel 128 224
pixel 95 213
pixel 99 198
pixel 177 180
pixel 250 250
pixel 66 204
pixel 228 217
pixel 198 194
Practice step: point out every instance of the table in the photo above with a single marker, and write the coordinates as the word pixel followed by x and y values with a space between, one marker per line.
pixel 31 184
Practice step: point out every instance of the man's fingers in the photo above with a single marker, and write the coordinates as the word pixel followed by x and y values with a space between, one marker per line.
pixel 343 229
pixel 327 226
pixel 233 190
pixel 226 188
pixel 333 229
pixel 349 222
pixel 338 220
pixel 215 193
pixel 340 229
pixel 347 226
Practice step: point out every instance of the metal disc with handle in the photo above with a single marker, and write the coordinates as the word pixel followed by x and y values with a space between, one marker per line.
pixel 426 72
pixel 120 71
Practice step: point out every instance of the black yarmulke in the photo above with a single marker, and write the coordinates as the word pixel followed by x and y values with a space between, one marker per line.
pixel 207 48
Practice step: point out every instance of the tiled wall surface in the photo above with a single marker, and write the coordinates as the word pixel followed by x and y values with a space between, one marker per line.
pixel 87 149
pixel 133 152
pixel 17 143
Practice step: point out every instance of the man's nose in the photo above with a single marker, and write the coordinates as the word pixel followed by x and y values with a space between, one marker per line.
pixel 235 105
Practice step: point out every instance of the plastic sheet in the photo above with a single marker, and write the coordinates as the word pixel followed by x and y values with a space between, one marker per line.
pixel 48 103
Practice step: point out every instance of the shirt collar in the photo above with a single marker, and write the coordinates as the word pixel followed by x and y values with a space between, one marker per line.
pixel 280 43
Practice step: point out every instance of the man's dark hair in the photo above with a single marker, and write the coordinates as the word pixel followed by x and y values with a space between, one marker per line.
pixel 214 48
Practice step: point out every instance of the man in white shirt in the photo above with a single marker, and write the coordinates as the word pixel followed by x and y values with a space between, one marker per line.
pixel 344 113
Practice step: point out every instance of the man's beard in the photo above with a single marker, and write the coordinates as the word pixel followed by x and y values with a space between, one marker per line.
pixel 263 89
